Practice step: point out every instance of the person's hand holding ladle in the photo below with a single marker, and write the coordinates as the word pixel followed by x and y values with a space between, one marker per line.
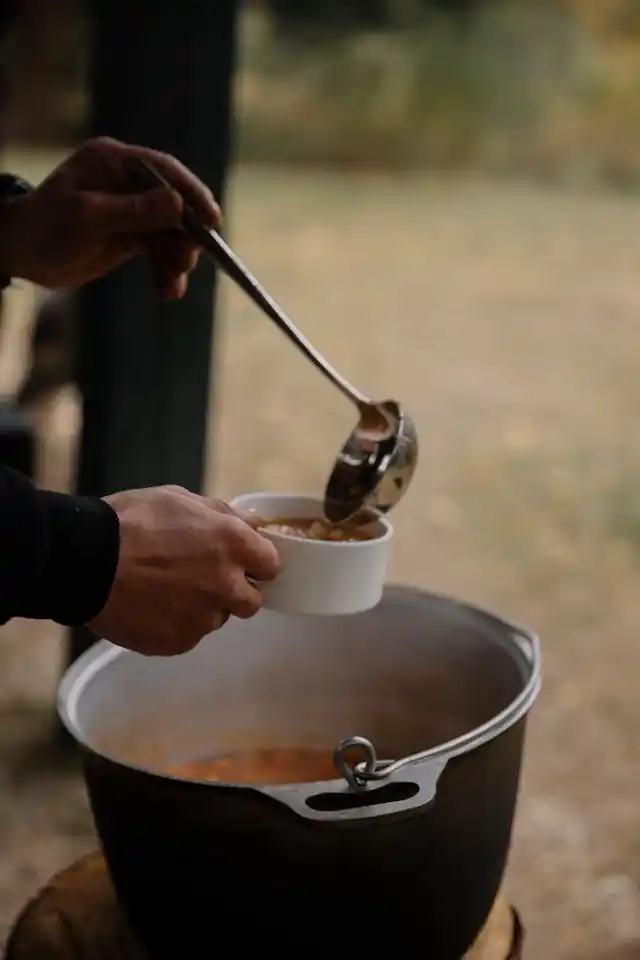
pixel 375 465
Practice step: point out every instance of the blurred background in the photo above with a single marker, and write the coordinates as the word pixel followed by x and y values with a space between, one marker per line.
pixel 445 195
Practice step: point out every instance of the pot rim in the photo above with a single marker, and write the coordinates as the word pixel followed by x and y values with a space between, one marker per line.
pixel 80 674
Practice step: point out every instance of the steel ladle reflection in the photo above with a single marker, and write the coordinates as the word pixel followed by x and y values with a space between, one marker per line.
pixel 375 465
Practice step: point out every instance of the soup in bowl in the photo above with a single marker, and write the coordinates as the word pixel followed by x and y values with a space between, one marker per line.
pixel 308 528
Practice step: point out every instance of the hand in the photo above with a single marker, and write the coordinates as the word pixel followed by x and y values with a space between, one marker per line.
pixel 90 216
pixel 183 568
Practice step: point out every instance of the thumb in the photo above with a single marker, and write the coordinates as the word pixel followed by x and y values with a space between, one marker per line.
pixel 148 212
pixel 253 518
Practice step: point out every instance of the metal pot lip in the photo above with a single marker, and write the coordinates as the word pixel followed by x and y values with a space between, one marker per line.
pixel 80 674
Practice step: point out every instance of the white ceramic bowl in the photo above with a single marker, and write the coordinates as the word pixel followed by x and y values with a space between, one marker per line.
pixel 320 576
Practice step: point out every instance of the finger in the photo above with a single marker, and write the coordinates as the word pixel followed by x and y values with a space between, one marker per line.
pixel 174 289
pixel 252 518
pixel 218 620
pixel 213 503
pixel 151 211
pixel 254 553
pixel 249 517
pixel 244 599
pixel 182 491
pixel 264 564
pixel 118 250
pixel 194 191
pixel 173 257
pixel 221 506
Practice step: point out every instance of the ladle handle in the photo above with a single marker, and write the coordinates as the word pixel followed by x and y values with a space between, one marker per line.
pixel 222 254
pixel 227 260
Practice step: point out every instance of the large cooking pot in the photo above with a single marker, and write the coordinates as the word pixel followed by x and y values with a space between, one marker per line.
pixel 403 857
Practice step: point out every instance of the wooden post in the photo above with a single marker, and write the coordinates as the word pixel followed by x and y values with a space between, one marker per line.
pixel 161 76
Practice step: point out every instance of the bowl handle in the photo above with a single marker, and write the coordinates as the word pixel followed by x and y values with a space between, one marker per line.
pixel 335 802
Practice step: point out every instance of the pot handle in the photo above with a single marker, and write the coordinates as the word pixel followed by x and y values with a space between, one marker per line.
pixel 336 801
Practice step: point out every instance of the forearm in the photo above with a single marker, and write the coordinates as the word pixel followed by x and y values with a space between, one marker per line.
pixel 58 554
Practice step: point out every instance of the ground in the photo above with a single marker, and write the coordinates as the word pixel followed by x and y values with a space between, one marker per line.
pixel 505 317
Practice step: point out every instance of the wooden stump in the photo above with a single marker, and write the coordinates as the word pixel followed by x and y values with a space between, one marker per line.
pixel 77 917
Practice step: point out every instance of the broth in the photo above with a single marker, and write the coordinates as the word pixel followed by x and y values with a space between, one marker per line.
pixel 261 767
pixel 313 529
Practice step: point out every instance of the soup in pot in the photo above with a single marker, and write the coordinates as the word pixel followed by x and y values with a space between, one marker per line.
pixel 261 767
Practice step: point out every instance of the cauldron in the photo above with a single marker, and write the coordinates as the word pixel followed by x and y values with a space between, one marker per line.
pixel 402 857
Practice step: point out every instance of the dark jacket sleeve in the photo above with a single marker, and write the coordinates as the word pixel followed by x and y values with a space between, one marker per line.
pixel 58 553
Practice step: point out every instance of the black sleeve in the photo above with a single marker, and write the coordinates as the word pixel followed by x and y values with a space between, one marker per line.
pixel 58 554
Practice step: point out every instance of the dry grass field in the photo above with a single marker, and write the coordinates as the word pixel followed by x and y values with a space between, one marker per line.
pixel 507 318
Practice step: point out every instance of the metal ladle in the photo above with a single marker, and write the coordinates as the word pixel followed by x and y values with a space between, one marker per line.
pixel 376 463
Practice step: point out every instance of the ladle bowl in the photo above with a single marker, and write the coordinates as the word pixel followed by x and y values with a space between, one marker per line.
pixel 374 468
